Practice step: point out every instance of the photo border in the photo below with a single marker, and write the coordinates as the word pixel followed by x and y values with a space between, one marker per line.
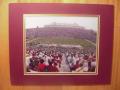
pixel 16 11
pixel 63 73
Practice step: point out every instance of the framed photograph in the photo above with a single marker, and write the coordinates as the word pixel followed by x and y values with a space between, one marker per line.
pixel 56 43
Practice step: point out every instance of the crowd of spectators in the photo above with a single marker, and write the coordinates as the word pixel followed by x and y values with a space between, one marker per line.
pixel 60 59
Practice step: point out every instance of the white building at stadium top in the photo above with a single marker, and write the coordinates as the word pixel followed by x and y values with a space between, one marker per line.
pixel 65 25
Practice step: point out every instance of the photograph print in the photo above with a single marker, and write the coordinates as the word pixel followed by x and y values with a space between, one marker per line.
pixel 58 44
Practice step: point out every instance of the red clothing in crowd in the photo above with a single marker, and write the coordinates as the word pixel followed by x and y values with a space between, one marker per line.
pixel 41 67
pixel 52 68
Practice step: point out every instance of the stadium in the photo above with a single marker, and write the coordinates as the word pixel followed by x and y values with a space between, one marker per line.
pixel 60 47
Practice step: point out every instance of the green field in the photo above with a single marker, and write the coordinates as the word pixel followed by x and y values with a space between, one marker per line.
pixel 60 40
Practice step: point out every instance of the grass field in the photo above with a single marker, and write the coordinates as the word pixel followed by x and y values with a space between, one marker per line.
pixel 60 40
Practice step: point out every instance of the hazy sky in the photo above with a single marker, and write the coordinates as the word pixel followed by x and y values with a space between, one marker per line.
pixel 87 22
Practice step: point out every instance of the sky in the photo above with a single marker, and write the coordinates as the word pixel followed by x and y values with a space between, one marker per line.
pixel 84 21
